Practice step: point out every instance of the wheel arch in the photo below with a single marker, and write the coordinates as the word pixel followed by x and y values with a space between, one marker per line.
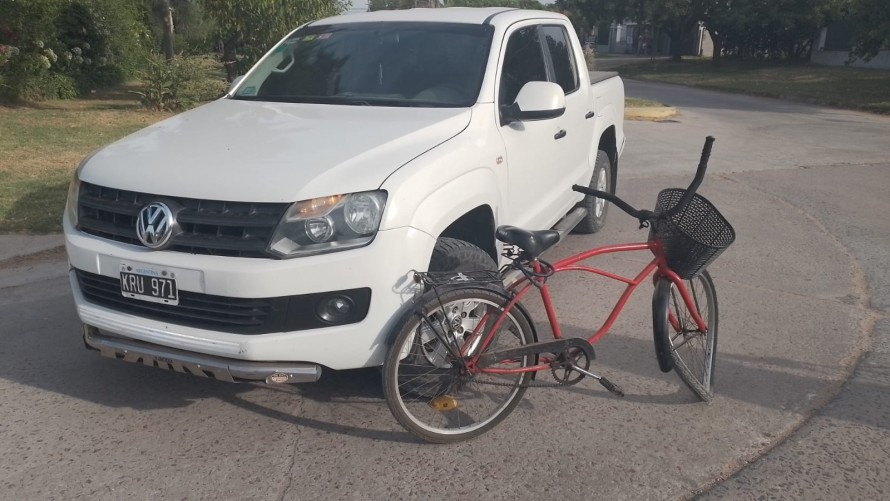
pixel 476 227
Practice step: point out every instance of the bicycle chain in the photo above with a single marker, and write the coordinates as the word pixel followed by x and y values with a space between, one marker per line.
pixel 530 384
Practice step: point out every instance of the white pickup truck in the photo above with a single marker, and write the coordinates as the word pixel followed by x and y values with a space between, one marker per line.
pixel 270 233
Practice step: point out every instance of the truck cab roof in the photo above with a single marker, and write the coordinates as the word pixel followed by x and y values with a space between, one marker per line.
pixel 468 15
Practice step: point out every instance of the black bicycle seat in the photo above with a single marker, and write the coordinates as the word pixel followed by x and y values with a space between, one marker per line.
pixel 532 242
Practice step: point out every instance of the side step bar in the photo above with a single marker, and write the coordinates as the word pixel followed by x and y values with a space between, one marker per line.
pixel 568 223
pixel 196 364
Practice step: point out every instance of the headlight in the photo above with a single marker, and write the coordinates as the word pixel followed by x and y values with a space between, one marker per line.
pixel 74 190
pixel 328 224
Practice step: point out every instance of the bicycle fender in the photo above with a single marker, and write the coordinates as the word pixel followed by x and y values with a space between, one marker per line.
pixel 661 298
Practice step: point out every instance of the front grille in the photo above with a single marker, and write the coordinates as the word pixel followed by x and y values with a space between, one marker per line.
pixel 240 229
pixel 221 313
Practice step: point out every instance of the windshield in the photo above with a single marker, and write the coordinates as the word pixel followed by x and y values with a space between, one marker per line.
pixel 374 64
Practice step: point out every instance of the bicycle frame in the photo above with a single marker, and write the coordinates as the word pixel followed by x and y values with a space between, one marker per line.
pixel 521 287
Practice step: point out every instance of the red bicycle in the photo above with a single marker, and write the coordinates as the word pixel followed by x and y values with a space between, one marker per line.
pixel 464 354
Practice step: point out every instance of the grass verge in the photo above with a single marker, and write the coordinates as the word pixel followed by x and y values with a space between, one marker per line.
pixel 41 145
pixel 635 102
pixel 850 88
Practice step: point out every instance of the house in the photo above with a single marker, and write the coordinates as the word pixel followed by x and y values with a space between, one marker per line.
pixel 832 47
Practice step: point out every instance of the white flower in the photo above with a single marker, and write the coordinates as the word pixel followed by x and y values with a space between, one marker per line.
pixel 44 61
pixel 87 60
pixel 39 44
pixel 86 46
pixel 76 51
pixel 68 55
pixel 78 59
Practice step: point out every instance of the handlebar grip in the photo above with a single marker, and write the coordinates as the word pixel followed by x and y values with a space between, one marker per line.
pixel 696 182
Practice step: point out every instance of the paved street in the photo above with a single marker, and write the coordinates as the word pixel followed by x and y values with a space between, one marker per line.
pixel 802 373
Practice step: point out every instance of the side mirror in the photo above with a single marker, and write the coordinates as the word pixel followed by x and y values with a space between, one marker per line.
pixel 535 101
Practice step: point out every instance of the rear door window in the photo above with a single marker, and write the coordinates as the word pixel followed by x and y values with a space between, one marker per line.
pixel 562 57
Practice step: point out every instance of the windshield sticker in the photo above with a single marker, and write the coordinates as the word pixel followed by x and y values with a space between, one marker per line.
pixel 309 38
pixel 325 36
pixel 249 91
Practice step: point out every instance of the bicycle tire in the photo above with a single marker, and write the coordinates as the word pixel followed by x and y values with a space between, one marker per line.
pixel 693 354
pixel 419 375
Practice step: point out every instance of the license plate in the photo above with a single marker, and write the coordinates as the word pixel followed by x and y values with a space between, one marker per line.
pixel 148 284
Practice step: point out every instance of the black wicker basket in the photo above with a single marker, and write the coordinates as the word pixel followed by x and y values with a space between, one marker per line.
pixel 692 238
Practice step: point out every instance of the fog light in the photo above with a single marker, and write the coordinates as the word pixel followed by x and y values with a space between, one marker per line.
pixel 335 309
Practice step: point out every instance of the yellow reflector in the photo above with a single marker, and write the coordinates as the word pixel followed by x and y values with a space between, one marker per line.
pixel 444 403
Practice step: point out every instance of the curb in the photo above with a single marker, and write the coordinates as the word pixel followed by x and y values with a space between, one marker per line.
pixel 650 113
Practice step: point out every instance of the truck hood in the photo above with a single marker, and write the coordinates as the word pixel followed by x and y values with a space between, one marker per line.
pixel 272 152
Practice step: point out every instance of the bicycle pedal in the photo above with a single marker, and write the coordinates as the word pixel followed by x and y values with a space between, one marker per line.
pixel 612 387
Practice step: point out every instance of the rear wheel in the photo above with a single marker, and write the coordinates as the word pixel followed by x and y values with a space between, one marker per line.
pixel 693 353
pixel 428 390
pixel 597 207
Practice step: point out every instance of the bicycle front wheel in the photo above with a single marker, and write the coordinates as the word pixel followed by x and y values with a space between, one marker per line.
pixel 694 353
pixel 428 390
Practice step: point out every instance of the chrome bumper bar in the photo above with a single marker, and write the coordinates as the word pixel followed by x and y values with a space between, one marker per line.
pixel 196 364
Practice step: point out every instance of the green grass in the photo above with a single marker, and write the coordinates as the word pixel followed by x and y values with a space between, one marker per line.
pixel 41 145
pixel 850 88
pixel 634 102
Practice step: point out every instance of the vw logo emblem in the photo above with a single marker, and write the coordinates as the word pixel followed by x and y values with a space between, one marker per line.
pixel 155 225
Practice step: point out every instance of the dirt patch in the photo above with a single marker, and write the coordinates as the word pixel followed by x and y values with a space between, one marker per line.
pixel 48 256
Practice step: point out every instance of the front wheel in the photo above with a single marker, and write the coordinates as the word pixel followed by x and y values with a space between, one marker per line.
pixel 693 353
pixel 427 388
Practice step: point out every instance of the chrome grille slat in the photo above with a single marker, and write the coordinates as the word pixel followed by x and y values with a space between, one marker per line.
pixel 212 227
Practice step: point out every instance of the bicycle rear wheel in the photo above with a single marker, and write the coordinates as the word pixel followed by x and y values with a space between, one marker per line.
pixel 426 388
pixel 693 353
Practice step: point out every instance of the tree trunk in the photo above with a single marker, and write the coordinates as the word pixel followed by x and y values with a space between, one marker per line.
pixel 229 58
pixel 167 41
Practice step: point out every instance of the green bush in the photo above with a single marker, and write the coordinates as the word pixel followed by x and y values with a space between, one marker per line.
pixel 100 42
pixel 180 83
pixel 53 46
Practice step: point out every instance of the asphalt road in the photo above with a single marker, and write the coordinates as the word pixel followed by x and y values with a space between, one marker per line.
pixel 803 296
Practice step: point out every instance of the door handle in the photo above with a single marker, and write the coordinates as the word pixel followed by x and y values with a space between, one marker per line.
pixel 559 135
pixel 590 114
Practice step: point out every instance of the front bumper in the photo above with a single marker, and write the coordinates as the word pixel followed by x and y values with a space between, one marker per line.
pixel 382 266
pixel 223 369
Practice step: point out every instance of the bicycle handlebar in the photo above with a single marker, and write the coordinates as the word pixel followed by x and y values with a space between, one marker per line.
pixel 643 215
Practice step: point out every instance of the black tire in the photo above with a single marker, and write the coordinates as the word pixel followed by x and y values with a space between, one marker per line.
pixel 451 254
pixel 693 353
pixel 597 208
pixel 424 386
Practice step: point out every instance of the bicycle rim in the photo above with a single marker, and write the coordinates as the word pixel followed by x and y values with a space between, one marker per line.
pixel 694 352
pixel 425 387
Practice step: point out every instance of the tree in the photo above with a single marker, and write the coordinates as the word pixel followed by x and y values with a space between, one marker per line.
pixel 872 21
pixel 248 28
